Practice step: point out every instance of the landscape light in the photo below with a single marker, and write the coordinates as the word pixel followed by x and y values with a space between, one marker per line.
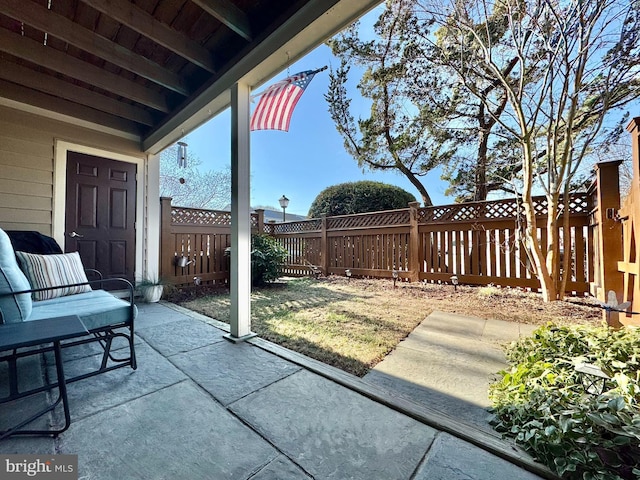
pixel 284 203
pixel 594 379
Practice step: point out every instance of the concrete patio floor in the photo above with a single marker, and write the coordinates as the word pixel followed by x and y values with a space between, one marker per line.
pixel 200 407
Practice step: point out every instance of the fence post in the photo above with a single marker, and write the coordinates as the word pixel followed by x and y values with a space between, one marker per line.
pixel 609 232
pixel 414 243
pixel 167 252
pixel 260 213
pixel 324 246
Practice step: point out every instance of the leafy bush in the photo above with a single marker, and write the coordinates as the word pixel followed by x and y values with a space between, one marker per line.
pixel 359 197
pixel 543 403
pixel 268 258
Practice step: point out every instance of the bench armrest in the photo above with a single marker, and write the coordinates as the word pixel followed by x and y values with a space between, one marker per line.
pixel 93 271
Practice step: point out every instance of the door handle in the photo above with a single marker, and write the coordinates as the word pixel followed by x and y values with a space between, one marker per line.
pixel 75 235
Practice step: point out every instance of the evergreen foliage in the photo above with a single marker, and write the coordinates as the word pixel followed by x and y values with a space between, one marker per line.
pixel 401 132
pixel 359 197
pixel 579 430
pixel 268 259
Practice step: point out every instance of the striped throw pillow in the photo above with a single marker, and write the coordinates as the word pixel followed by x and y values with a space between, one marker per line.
pixel 53 270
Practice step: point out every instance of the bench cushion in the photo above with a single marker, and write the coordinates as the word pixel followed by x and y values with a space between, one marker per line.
pixel 13 308
pixel 96 309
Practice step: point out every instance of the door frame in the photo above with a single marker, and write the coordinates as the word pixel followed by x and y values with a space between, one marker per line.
pixel 146 261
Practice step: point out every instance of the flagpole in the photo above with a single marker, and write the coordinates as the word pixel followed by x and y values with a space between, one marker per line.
pixel 318 70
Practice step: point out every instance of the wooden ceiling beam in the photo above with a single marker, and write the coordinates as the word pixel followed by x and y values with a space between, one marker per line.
pixel 228 14
pixel 145 24
pixel 36 52
pixel 43 101
pixel 64 29
pixel 59 88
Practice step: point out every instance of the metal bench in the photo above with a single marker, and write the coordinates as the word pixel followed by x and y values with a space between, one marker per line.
pixel 102 319
pixel 26 339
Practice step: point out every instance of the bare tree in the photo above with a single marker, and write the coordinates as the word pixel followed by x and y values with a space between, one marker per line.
pixel 191 187
pixel 577 61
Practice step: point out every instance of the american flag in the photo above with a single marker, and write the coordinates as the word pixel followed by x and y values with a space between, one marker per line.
pixel 276 105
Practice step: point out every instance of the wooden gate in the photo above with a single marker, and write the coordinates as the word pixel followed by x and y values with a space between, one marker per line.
pixel 629 216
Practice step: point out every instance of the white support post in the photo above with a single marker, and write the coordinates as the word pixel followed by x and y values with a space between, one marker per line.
pixel 240 216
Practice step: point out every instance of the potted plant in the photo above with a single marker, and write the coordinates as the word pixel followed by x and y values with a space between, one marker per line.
pixel 151 289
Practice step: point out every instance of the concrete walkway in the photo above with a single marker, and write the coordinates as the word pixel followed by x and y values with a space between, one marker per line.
pixel 199 407
pixel 447 364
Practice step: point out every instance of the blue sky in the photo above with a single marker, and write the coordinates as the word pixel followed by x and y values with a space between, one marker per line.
pixel 310 157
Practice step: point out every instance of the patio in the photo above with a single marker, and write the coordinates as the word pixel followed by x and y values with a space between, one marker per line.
pixel 202 407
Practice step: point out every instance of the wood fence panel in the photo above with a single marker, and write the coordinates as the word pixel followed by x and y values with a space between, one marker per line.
pixel 457 248
pixel 465 246
pixel 579 257
pixel 201 236
pixel 494 252
pixel 503 252
pixel 522 258
pixel 474 261
pixel 478 242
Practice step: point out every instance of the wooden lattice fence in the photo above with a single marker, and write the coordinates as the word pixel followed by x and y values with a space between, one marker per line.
pixel 200 236
pixel 479 242
pixel 367 244
pixel 482 243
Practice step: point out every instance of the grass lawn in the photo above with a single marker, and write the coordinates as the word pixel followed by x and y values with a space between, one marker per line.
pixel 354 324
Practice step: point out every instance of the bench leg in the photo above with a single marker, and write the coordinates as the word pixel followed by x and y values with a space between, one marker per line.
pixel 62 397
pixel 106 354
pixel 106 345
pixel 132 350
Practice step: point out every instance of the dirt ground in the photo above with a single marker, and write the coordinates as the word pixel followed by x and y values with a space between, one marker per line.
pixel 511 304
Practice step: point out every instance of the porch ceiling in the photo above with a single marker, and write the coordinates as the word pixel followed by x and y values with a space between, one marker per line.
pixel 152 69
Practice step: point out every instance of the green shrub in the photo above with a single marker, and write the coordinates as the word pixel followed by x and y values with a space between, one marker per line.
pixel 542 402
pixel 268 259
pixel 359 197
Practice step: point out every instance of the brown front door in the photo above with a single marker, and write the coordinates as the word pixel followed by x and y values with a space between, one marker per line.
pixel 100 213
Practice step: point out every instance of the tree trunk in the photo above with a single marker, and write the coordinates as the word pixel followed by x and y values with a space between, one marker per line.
pixel 426 199
pixel 531 230
pixel 553 245
pixel 481 166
